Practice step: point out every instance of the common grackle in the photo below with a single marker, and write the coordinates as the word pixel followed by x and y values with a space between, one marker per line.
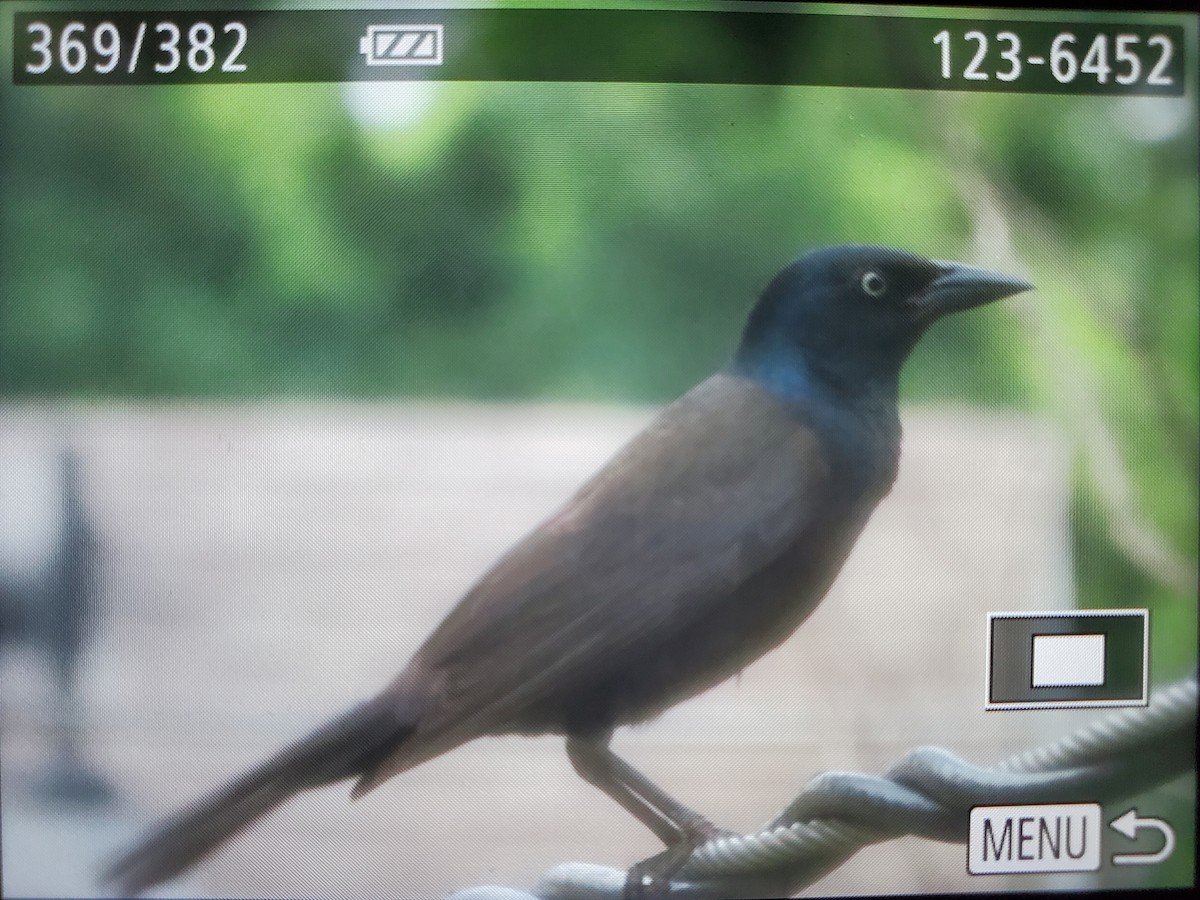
pixel 704 543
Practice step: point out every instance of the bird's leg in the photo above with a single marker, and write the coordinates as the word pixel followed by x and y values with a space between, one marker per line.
pixel 592 761
pixel 679 827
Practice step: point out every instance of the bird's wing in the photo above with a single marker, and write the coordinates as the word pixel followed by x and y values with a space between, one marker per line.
pixel 717 487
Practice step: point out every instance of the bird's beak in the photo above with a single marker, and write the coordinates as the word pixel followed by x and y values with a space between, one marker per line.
pixel 959 286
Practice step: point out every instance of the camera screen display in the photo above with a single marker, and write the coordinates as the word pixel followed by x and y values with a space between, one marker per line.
pixel 518 451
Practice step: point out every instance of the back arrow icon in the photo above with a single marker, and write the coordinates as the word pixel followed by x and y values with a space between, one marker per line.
pixel 1129 824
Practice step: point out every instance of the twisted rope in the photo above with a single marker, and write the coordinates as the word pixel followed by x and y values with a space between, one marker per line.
pixel 929 793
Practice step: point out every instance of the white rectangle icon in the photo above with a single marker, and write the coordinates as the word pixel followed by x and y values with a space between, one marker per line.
pixel 1068 660
pixel 1056 837
pixel 1011 682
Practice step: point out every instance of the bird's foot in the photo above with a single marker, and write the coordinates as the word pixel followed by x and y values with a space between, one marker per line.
pixel 651 878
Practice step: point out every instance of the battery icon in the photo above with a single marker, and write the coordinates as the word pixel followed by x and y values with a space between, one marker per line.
pixel 402 45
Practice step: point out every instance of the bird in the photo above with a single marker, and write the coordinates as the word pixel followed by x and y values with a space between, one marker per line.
pixel 702 544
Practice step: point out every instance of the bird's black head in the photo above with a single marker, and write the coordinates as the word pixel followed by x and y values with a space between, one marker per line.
pixel 847 317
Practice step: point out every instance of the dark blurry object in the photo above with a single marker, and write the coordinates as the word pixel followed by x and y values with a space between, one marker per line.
pixel 704 543
pixel 48 597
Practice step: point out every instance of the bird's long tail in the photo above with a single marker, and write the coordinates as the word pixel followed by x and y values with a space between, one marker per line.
pixel 346 747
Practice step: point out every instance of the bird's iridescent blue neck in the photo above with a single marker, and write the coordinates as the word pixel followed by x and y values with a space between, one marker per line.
pixel 861 431
pixel 796 376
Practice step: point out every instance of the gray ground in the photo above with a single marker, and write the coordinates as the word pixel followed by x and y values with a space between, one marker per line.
pixel 267 564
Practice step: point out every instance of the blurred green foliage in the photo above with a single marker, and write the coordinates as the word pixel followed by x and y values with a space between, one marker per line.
pixel 512 241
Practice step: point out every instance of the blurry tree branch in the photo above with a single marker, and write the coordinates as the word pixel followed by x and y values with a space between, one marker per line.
pixel 1075 385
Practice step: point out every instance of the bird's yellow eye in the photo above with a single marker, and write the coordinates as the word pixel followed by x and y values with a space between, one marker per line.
pixel 873 284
